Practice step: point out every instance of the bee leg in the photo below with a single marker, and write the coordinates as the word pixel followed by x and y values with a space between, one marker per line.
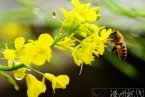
pixel 114 49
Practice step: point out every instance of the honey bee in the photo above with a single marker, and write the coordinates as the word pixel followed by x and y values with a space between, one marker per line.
pixel 119 44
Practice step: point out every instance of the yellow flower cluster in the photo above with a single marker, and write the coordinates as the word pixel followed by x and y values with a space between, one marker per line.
pixel 36 87
pixel 36 52
pixel 81 13
pixel 33 52
pixel 80 20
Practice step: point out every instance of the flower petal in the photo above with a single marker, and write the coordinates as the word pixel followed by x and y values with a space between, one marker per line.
pixel 9 54
pixel 62 81
pixel 57 82
pixel 45 40
pixel 39 59
pixel 20 73
pixel 35 87
pixel 75 2
pixel 19 42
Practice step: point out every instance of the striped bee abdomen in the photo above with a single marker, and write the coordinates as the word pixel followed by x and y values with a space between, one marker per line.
pixel 122 51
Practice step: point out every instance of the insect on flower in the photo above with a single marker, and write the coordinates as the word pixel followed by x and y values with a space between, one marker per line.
pixel 119 44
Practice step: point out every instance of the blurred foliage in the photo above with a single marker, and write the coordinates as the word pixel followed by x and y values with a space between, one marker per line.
pixel 121 15
pixel 10 79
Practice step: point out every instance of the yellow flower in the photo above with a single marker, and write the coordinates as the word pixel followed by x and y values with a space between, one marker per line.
pixel 27 53
pixel 19 43
pixel 35 87
pixel 81 13
pixel 68 17
pixel 87 29
pixel 36 52
pixel 57 82
pixel 9 54
pixel 12 56
pixel 66 44
pixel 83 53
pixel 40 49
pixel 18 54
pixel 75 2
pixel 104 34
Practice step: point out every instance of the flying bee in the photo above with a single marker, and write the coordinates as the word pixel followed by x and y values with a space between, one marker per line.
pixel 119 44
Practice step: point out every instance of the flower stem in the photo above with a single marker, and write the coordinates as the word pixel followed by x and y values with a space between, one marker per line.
pixel 6 68
pixel 59 38
pixel 35 70
pixel 76 39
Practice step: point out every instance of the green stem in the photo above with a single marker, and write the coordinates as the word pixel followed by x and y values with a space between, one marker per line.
pixel 76 39
pixel 59 38
pixel 68 32
pixel 6 68
pixel 35 70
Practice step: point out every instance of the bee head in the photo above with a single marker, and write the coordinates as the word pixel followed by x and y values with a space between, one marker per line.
pixel 113 36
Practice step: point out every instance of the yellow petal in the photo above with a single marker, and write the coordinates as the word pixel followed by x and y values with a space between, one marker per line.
pixel 90 15
pixel 39 59
pixel 48 54
pixel 45 40
pixel 64 11
pixel 9 54
pixel 105 34
pixel 20 73
pixel 75 2
pixel 25 59
pixel 62 81
pixel 35 87
pixel 77 55
pixel 19 42
pixel 66 44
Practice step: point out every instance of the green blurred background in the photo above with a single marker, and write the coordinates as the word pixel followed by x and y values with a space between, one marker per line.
pixel 30 18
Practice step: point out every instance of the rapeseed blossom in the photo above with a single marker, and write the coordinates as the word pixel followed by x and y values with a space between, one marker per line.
pixel 36 52
pixel 66 44
pixel 11 56
pixel 57 82
pixel 78 22
pixel 81 13
pixel 40 50
pixel 87 29
pixel 94 38
pixel 35 87
pixel 90 46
